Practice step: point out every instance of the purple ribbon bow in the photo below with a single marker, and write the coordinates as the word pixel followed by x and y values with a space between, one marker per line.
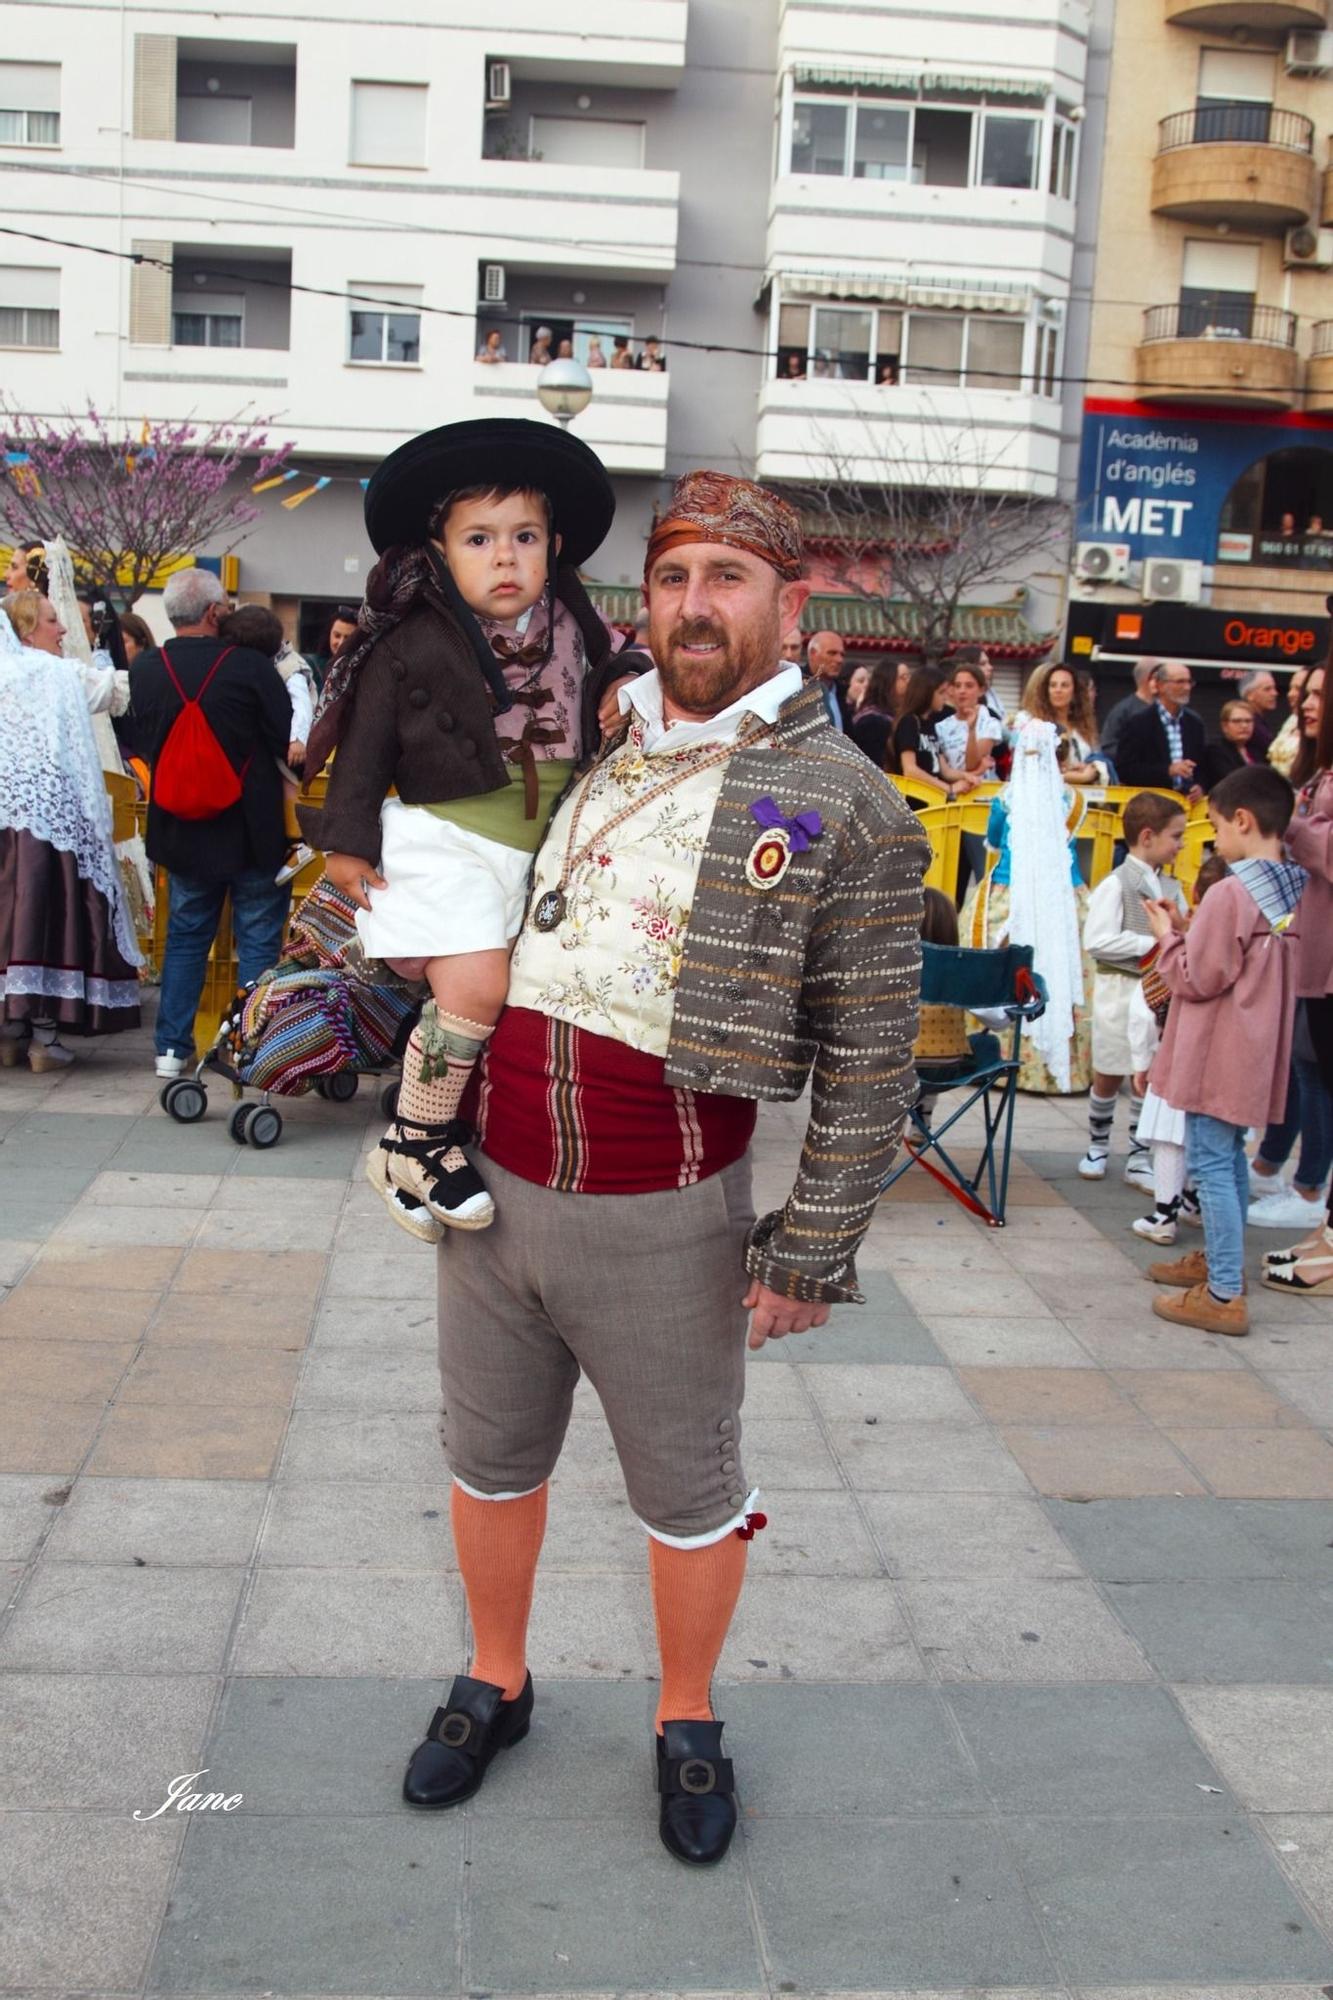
pixel 800 829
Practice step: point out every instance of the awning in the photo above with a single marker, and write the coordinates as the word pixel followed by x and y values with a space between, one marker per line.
pixel 904 288
pixel 923 83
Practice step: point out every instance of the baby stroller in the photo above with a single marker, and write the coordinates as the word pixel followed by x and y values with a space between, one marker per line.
pixel 311 1023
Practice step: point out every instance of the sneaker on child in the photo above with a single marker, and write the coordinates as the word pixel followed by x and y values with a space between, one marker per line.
pixel 1284 1209
pixel 1093 1166
pixel 1138 1171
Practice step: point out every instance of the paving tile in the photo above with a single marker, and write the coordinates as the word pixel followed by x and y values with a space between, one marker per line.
pixel 1308 1391
pixel 1008 1343
pixel 924 1458
pixel 1304 1849
pixel 1086 1751
pixel 855 1333
pixel 31 1311
pixel 1260 1464
pixel 313 1937
pixel 1274 1746
pixel 104 1618
pixel 944 1290
pixel 1175 1899
pixel 1130 1341
pixel 772 1395
pixel 358 1445
pixel 596 1533
pixel 77 1371
pixel 869 1906
pixel 158 1521
pixel 1024 1629
pixel 594 1627
pixel 197 1441
pixel 819 1629
pixel 1232 1630
pixel 1105 1462
pixel 1297 1349
pixel 231 1319
pixel 966 1535
pixel 304 1194
pixel 208 1372
pixel 357 1322
pixel 581 1924
pixel 382 1274
pixel 370 1378
pixel 83 1897
pixel 155 1191
pixel 260 1744
pixel 795 1745
pixel 326 1621
pixel 100 1742
pixel 263 1229
pixel 130 1226
pixel 1154 1540
pixel 102 1269
pixel 788 1455
pixel 1208 1401
pixel 813 1534
pixel 1297 1534
pixel 39 1434
pixel 315 1523
pixel 17 1253
pixel 25 1513
pixel 273 1274
pixel 889 1395
pixel 1048 1396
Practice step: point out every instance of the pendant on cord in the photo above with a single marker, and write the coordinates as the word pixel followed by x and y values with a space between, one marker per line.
pixel 548 912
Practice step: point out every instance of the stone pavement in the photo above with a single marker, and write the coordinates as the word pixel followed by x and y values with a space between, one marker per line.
pixel 1031 1691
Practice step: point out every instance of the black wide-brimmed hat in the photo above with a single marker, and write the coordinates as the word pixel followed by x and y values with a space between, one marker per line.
pixel 492 451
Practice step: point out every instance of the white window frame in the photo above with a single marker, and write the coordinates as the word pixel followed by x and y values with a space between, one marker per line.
pixel 43 80
pixel 1036 362
pixel 354 157
pixel 977 112
pixel 361 301
pixel 1064 148
pixel 21 278
pixel 10 111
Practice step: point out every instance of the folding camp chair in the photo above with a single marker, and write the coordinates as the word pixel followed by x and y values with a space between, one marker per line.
pixel 1000 981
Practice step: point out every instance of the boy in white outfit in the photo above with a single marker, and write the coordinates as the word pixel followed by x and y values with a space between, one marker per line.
pixel 1118 938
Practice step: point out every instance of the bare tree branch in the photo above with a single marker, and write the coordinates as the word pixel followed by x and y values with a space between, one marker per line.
pixel 129 503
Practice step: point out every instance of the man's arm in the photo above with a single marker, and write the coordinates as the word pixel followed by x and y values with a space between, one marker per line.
pixel 861 994
pixel 1145 755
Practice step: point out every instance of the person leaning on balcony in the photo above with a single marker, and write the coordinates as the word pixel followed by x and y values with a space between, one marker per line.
pixel 540 352
pixel 794 370
pixel 620 354
pixel 492 349
pixel 596 358
pixel 651 358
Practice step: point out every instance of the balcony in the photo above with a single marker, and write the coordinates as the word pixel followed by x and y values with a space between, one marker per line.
pixel 625 423
pixel 594 219
pixel 1246 163
pixel 1319 370
pixel 1269 17
pixel 235 93
pixel 1252 364
pixel 869 434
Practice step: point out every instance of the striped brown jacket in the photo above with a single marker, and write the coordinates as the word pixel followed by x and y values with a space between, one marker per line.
pixel 820 972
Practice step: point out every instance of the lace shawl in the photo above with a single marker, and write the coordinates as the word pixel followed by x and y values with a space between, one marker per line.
pixel 1042 908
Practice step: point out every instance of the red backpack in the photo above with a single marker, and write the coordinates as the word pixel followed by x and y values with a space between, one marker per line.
pixel 194 778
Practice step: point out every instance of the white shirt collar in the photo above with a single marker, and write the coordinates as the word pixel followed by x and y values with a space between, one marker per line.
pixel 644 696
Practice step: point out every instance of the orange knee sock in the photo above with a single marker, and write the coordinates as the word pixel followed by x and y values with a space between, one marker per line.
pixel 694 1596
pixel 498 1543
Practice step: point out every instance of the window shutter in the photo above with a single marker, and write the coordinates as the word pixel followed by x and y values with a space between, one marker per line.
pixel 1235 75
pixel 389 124
pixel 1221 267
pixel 150 297
pixel 154 86
pixel 29 86
pixel 36 286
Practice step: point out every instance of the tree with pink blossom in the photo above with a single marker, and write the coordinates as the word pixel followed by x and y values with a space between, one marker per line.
pixel 129 499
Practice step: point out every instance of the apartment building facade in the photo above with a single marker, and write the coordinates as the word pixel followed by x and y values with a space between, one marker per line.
pixel 859 260
pixel 1205 513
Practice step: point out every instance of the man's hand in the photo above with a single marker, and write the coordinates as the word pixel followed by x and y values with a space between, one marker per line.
pixel 353 874
pixel 296 753
pixel 1180 767
pixel 774 1317
pixel 608 712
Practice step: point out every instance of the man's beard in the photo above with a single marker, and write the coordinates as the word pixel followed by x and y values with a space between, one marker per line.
pixel 703 687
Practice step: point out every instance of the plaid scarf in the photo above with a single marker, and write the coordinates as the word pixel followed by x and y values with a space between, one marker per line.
pixel 1276 887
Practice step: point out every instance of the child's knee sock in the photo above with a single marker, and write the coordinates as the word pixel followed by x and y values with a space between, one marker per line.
pixel 1168 1172
pixel 694 1596
pixel 440 1057
pixel 1135 1113
pixel 1101 1117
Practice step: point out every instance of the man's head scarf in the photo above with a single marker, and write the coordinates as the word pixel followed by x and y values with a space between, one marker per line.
pixel 715 507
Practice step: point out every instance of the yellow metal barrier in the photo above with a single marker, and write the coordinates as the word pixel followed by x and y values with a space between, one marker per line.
pixel 124 796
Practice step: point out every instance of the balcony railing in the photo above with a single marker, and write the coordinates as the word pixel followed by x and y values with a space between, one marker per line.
pixel 1321 342
pixel 1236 125
pixel 1269 326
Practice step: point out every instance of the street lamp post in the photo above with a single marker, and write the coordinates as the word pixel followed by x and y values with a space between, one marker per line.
pixel 564 389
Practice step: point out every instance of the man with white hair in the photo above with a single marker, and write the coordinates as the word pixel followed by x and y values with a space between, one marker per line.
pixel 215 815
pixel 1259 689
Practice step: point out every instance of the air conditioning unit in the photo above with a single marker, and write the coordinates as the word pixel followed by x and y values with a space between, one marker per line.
pixel 1101 562
pixel 1309 52
pixel 1169 582
pixel 1306 249
pixel 493 284
pixel 498 92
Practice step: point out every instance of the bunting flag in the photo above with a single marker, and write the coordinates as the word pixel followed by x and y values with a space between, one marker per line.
pixel 296 499
pixel 278 479
pixel 26 480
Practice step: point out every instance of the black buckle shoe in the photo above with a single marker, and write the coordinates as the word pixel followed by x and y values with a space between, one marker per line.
pixel 698 1812
pixel 464 1735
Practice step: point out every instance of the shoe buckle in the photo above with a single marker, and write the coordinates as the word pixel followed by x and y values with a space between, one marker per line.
pixel 697 1776
pixel 455 1730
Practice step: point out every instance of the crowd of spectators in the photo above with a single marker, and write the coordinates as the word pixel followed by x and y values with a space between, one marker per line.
pixel 650 359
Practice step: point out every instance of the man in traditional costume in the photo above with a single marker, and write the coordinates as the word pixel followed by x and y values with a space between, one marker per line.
pixel 727 902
